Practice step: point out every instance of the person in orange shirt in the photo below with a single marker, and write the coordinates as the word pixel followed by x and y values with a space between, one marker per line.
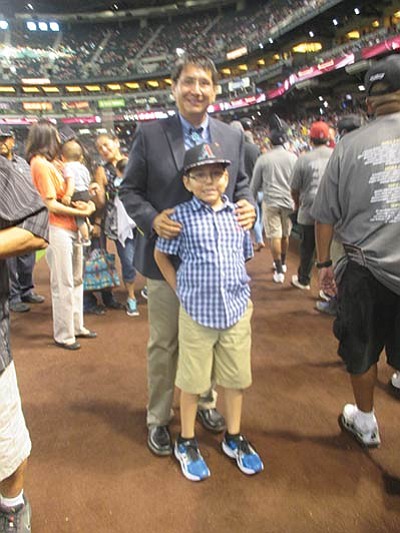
pixel 64 254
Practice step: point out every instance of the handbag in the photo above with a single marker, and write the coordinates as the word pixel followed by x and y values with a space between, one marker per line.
pixel 99 271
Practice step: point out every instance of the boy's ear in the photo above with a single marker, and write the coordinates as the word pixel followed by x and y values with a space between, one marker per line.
pixel 186 183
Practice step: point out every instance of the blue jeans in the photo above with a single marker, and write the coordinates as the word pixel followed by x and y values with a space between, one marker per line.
pixel 21 281
pixel 258 225
pixel 126 256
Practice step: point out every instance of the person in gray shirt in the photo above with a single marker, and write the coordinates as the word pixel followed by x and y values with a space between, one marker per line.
pixel 273 174
pixel 359 200
pixel 307 175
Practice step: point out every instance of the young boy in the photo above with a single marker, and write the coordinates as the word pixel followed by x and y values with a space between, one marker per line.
pixel 78 180
pixel 214 320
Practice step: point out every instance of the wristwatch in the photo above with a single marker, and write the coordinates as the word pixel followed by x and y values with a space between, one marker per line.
pixel 324 264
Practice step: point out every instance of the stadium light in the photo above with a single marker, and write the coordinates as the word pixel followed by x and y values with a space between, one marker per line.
pixel 311 33
pixel 356 11
pixel 3 24
pixel 54 26
pixel 43 26
pixel 31 26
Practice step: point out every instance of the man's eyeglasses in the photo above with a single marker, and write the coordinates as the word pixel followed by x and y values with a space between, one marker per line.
pixel 203 175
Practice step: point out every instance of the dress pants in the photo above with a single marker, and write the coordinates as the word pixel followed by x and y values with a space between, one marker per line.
pixel 20 270
pixel 65 260
pixel 307 249
pixel 162 354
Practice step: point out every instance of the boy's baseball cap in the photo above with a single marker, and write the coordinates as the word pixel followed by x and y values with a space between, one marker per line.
pixel 386 71
pixel 6 131
pixel 204 154
pixel 319 130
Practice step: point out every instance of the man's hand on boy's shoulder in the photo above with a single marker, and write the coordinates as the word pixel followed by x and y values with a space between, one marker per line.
pixel 164 226
pixel 246 213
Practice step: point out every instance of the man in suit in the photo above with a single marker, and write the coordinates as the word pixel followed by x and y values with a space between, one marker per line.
pixel 151 188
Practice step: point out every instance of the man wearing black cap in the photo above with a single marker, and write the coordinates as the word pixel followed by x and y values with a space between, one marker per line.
pixel 359 200
pixel 273 175
pixel 152 187
pixel 20 267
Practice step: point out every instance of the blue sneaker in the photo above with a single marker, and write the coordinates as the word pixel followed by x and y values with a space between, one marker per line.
pixel 246 457
pixel 131 307
pixel 192 463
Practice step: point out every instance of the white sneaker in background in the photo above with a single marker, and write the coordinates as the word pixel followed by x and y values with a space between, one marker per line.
pixel 296 283
pixel 284 267
pixel 278 277
pixel 366 433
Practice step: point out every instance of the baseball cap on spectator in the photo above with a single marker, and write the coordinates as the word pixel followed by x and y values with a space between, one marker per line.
pixel 204 154
pixel 66 134
pixel 319 131
pixel 387 72
pixel 348 123
pixel 6 131
pixel 247 123
pixel 277 137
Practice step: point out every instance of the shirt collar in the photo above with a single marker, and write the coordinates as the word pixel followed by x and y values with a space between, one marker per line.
pixel 186 126
pixel 197 204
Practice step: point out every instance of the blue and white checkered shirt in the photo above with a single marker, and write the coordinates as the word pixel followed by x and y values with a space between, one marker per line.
pixel 212 282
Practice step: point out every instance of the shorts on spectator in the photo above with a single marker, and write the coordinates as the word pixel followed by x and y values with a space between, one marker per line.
pixel 207 354
pixel 277 223
pixel 368 320
pixel 15 444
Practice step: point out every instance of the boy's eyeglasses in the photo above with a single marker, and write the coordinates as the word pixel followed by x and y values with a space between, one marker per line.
pixel 201 176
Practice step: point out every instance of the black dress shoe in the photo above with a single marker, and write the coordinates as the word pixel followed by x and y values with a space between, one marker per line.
pixel 74 346
pixel 86 335
pixel 159 440
pixel 211 420
pixel 33 298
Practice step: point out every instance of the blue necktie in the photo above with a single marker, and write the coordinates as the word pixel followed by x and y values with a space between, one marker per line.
pixel 196 136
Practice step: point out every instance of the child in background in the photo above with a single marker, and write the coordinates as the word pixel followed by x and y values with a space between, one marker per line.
pixel 78 179
pixel 214 319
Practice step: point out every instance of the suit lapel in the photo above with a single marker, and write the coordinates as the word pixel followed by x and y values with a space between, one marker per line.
pixel 173 131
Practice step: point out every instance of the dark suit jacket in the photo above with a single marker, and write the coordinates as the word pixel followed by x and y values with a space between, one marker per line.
pixel 153 178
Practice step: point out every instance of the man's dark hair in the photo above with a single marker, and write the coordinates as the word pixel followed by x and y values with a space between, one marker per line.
pixel 201 61
pixel 319 142
pixel 43 140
